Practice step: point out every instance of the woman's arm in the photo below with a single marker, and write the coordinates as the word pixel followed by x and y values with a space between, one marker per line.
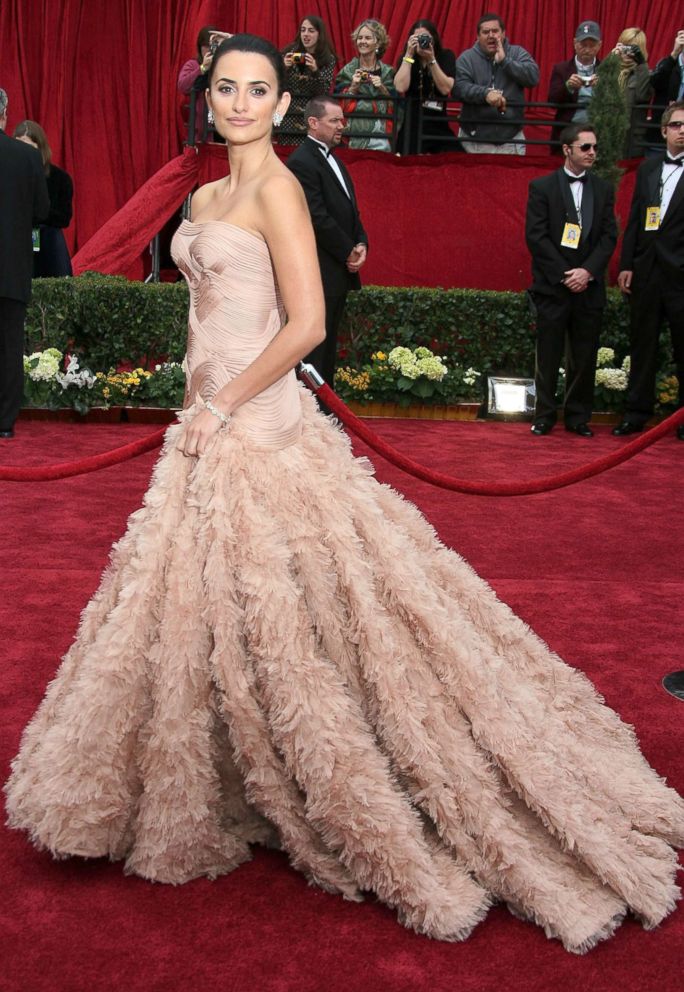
pixel 402 79
pixel 188 74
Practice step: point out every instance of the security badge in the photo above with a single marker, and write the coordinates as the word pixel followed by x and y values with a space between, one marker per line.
pixel 652 222
pixel 571 236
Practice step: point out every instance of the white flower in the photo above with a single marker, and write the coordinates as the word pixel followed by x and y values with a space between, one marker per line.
pixel 42 366
pixel 470 376
pixel 627 364
pixel 78 379
pixel 605 356
pixel 612 379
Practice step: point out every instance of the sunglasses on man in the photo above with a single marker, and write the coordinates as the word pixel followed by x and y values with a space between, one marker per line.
pixel 587 146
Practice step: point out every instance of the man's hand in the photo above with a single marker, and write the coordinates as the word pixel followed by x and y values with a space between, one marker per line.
pixel 577 280
pixel 500 53
pixel 495 98
pixel 678 45
pixel 625 281
pixel 356 258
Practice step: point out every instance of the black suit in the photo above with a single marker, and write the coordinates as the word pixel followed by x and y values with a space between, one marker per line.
pixel 338 228
pixel 24 202
pixel 656 259
pixel 566 321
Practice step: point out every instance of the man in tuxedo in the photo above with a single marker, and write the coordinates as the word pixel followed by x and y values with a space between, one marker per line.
pixel 572 82
pixel 340 238
pixel 652 271
pixel 571 234
pixel 24 202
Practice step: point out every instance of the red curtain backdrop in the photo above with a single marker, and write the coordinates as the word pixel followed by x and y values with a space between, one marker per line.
pixel 100 76
pixel 426 238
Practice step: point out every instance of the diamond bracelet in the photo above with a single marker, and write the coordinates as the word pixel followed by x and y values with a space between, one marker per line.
pixel 216 412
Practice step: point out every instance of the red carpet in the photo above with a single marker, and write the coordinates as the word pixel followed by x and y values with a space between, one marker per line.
pixel 597 570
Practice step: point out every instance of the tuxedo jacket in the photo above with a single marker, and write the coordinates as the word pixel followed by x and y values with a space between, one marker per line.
pixel 24 203
pixel 335 216
pixel 550 206
pixel 664 248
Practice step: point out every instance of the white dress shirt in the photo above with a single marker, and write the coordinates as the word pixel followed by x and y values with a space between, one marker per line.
pixel 332 162
pixel 670 176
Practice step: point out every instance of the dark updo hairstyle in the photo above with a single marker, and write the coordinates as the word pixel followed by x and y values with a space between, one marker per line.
pixel 429 26
pixel 324 51
pixel 255 45
pixel 204 38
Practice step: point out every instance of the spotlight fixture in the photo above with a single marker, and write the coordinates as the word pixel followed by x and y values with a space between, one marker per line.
pixel 510 397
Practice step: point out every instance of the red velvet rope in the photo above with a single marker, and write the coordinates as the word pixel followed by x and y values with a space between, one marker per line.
pixel 549 482
pixel 63 470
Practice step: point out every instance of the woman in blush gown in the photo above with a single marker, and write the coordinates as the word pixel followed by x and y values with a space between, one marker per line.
pixel 281 650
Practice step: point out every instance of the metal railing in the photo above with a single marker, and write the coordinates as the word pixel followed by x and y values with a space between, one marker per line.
pixel 405 111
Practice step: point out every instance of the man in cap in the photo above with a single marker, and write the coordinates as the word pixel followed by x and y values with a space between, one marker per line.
pixel 572 82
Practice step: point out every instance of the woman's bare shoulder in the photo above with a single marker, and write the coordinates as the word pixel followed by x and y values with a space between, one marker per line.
pixel 203 196
pixel 280 188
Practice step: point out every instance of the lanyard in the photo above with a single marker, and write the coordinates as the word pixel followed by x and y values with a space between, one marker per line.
pixel 662 185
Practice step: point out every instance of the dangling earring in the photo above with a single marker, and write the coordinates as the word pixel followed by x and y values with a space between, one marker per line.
pixel 210 116
pixel 277 119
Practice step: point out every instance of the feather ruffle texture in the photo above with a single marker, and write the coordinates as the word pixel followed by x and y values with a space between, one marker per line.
pixel 282 652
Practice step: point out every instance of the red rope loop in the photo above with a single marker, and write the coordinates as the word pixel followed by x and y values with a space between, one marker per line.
pixel 546 484
pixel 63 470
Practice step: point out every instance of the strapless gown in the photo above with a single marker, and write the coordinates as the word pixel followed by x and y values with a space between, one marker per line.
pixel 282 652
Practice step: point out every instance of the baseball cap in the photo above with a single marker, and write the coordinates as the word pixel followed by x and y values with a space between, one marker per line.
pixel 588 29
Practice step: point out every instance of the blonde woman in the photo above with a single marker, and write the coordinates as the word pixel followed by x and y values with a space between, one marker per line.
pixel 368 82
pixel 635 84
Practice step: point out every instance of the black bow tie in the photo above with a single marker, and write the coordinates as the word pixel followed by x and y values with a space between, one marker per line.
pixel 578 179
pixel 672 161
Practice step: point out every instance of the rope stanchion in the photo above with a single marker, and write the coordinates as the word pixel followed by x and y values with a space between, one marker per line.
pixel 443 481
pixel 64 470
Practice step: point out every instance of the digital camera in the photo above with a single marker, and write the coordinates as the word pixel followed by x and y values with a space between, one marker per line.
pixel 298 58
pixel 424 41
pixel 634 53
pixel 364 75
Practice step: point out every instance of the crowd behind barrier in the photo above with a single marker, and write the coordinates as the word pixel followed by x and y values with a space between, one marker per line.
pixel 536 114
pixel 423 103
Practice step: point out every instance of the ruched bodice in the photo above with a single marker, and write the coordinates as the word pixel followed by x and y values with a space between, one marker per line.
pixel 235 312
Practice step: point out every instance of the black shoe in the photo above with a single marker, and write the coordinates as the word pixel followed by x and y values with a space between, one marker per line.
pixel 582 429
pixel 625 428
pixel 7 434
pixel 680 432
pixel 541 427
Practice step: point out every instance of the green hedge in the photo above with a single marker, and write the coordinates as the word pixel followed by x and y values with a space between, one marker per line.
pixel 108 320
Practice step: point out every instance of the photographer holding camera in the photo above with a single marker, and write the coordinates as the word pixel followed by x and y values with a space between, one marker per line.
pixel 368 80
pixel 309 67
pixel 425 76
pixel 490 81
pixel 635 86
pixel 571 85
pixel 192 75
